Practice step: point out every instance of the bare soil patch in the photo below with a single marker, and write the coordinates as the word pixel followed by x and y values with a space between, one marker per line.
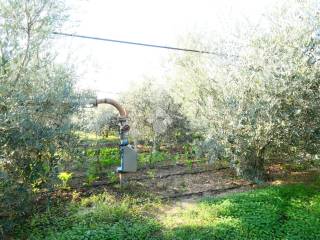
pixel 187 182
pixel 170 182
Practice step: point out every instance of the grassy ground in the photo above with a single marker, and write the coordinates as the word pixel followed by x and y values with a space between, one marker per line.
pixel 282 212
pixel 100 156
pixel 277 212
pixel 93 138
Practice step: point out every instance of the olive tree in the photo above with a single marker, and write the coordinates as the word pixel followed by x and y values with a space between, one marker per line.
pixel 37 99
pixel 263 106
pixel 101 120
pixel 154 116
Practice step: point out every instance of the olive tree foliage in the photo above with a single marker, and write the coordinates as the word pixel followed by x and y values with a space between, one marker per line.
pixel 154 116
pixel 264 105
pixel 100 120
pixel 37 99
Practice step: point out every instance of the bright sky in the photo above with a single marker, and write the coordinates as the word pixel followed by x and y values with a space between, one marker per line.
pixel 110 68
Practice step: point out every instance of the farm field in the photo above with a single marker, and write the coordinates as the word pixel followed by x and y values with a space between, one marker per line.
pixel 141 120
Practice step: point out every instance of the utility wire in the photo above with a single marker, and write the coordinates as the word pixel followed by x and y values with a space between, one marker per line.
pixel 142 44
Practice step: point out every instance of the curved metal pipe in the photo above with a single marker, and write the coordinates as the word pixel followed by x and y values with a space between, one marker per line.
pixel 128 155
pixel 122 111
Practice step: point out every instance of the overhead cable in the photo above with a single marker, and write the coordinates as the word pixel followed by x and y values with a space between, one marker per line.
pixel 143 44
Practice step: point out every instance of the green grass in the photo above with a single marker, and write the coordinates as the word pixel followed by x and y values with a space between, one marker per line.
pixel 94 137
pixel 160 157
pixel 96 217
pixel 110 156
pixel 283 212
pixel 279 212
pixel 107 156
